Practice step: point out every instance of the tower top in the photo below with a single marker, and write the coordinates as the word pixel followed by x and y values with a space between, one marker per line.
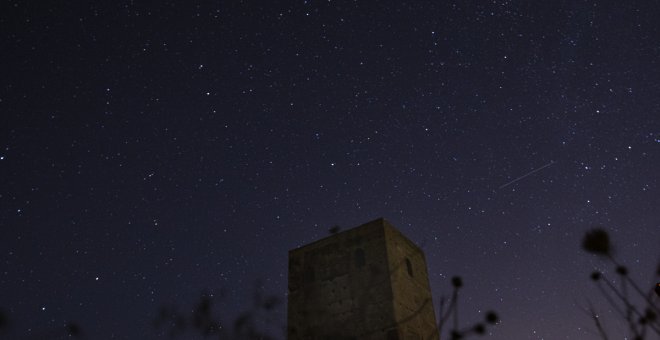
pixel 380 222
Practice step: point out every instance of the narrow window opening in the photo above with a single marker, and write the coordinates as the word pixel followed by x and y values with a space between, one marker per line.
pixel 409 267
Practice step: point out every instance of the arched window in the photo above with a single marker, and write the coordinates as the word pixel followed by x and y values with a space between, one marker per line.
pixel 359 258
pixel 409 267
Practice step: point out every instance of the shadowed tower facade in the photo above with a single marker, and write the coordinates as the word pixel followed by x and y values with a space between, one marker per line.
pixel 369 282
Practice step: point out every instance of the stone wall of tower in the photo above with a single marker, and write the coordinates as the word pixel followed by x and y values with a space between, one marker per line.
pixel 349 286
pixel 412 301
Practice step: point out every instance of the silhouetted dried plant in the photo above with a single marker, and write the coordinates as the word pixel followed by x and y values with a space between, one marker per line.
pixel 640 320
pixel 452 312
pixel 202 321
pixel 597 241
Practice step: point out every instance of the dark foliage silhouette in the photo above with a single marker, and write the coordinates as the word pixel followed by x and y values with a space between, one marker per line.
pixel 641 320
pixel 202 321
pixel 456 332
pixel 597 241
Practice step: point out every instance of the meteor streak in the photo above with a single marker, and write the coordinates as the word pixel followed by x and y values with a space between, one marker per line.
pixel 527 174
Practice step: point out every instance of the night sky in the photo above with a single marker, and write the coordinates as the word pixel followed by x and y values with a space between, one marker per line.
pixel 152 151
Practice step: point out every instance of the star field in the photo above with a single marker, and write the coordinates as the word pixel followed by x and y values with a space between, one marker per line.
pixel 150 152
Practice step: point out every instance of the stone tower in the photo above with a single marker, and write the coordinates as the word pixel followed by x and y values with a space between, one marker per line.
pixel 368 282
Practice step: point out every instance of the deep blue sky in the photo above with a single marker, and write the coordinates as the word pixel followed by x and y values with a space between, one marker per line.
pixel 151 151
